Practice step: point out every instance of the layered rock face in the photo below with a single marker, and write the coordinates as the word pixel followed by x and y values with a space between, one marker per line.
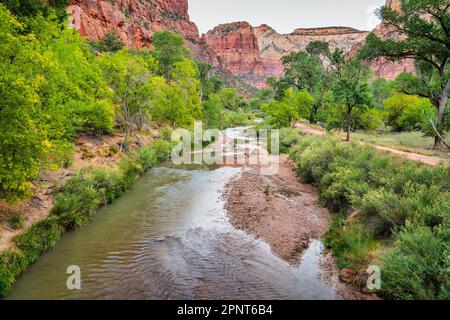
pixel 236 48
pixel 134 20
pixel 274 46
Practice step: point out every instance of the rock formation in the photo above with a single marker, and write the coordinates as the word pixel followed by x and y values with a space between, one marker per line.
pixel 235 49
pixel 274 46
pixel 134 20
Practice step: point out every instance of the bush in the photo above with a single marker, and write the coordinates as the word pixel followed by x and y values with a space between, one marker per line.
pixel 39 238
pixel 398 203
pixel 417 267
pixel 288 138
pixel 17 221
pixel 351 243
pixel 12 264
pixel 77 200
pixel 407 112
pixel 231 119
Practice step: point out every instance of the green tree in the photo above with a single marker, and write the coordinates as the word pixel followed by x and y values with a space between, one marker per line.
pixel 406 112
pixel 50 90
pixel 187 85
pixel 231 99
pixel 305 71
pixel 177 102
pixel 204 71
pixel 381 90
pixel 31 8
pixel 22 140
pixel 168 49
pixel 302 101
pixel 110 43
pixel 213 112
pixel 294 106
pixel 129 77
pixel 423 29
pixel 350 90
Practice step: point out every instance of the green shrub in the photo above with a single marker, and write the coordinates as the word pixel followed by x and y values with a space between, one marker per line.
pixel 108 183
pixel 77 200
pixel 17 221
pixel 350 242
pixel 231 119
pixel 417 267
pixel 396 203
pixel 12 264
pixel 315 160
pixel 340 186
pixel 288 138
pixel 39 238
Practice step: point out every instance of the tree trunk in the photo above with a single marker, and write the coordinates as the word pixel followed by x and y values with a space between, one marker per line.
pixel 201 92
pixel 441 113
pixel 349 123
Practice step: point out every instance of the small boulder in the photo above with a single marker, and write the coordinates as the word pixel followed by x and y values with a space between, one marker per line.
pixel 347 275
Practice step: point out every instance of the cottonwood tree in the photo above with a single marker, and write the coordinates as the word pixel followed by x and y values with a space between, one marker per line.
pixel 168 50
pixel 204 71
pixel 305 71
pixel 422 29
pixel 350 89
pixel 294 106
pixel 129 76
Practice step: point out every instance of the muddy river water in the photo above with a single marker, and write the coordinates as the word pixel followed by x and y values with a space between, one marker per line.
pixel 169 238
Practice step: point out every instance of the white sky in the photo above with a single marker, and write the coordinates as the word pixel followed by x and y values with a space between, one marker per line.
pixel 286 15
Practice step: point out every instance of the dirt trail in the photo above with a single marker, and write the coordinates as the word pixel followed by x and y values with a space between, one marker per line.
pixel 429 160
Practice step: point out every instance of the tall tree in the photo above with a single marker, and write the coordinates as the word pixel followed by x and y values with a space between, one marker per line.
pixel 350 88
pixel 204 71
pixel 305 71
pixel 423 34
pixel 168 49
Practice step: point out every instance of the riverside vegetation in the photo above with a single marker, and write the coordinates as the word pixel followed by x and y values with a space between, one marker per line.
pixel 56 86
pixel 387 211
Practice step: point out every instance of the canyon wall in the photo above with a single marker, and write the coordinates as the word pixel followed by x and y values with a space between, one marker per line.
pixel 274 46
pixel 235 49
pixel 134 20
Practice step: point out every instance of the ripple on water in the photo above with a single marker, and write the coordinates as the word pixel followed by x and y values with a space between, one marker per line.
pixel 169 238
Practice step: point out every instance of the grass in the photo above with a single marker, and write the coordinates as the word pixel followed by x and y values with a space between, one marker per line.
pixel 75 203
pixel 411 141
pixel 17 221
pixel 386 211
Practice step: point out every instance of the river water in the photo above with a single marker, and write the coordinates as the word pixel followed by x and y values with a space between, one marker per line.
pixel 169 238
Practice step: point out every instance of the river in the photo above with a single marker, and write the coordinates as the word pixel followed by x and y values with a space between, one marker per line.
pixel 169 238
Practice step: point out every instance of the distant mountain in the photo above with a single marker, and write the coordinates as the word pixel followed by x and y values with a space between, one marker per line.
pixel 237 49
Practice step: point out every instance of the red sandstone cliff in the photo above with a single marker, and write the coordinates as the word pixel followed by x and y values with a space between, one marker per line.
pixel 237 49
pixel 135 20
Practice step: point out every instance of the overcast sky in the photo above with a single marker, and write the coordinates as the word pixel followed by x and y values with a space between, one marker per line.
pixel 286 15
